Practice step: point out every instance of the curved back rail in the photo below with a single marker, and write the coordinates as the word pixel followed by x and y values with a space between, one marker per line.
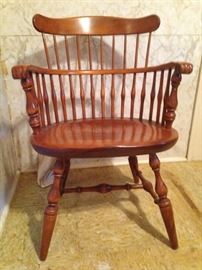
pixel 59 104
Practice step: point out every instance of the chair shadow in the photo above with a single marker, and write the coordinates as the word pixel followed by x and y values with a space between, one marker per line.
pixel 139 218
pixel 35 227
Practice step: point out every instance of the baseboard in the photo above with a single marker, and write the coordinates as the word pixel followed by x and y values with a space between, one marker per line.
pixel 6 208
pixel 103 162
pixel 90 163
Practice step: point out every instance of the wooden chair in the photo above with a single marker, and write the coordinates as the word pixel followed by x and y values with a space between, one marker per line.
pixel 130 109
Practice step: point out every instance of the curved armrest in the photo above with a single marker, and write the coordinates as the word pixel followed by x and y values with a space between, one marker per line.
pixel 20 71
pixel 184 67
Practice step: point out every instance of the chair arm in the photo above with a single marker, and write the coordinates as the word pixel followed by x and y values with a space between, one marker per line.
pixel 181 67
pixel 23 73
pixel 172 101
pixel 20 71
pixel 184 67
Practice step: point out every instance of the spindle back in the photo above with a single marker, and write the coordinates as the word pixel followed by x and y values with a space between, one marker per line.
pixel 99 52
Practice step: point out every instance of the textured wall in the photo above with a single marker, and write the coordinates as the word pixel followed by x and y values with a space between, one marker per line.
pixel 195 145
pixel 178 38
pixel 8 164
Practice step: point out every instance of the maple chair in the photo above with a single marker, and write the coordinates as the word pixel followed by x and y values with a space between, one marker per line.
pixel 101 110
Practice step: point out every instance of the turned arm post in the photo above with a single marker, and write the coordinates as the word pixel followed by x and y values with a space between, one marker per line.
pixel 21 72
pixel 172 102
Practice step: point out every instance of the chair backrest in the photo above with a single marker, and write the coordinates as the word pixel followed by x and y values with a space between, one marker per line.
pixel 100 55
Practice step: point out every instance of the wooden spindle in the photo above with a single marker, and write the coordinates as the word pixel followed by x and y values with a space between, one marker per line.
pixel 133 90
pixel 102 92
pixel 46 100
pixel 72 94
pixel 143 92
pixel 92 90
pixel 46 51
pixel 33 88
pixel 62 93
pixel 63 98
pixel 56 52
pixel 123 91
pixel 40 100
pixel 102 188
pixel 53 94
pixel 142 97
pixel 148 48
pixel 152 96
pixel 54 99
pixel 166 95
pixel 82 93
pixel 112 80
pixel 159 98
pixel 136 51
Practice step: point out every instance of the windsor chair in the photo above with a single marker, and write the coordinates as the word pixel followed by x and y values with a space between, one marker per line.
pixel 96 109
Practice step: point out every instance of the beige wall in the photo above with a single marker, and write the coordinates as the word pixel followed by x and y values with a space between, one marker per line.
pixel 178 38
pixel 195 145
pixel 8 165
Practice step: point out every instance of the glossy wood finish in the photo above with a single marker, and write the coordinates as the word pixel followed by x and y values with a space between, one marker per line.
pixel 21 71
pixel 105 137
pixel 137 175
pixel 163 202
pixel 65 135
pixel 167 99
pixel 102 188
pixel 61 170
pixel 95 25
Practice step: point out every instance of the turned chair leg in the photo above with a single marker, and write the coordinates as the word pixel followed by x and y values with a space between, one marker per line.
pixel 134 168
pixel 61 169
pixel 137 175
pixel 163 202
pixel 65 174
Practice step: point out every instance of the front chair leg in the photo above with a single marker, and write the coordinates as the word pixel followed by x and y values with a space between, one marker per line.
pixel 163 202
pixel 51 210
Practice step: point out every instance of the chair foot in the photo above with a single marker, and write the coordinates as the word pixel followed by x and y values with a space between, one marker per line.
pixel 61 169
pixel 168 219
pixel 50 215
pixel 163 202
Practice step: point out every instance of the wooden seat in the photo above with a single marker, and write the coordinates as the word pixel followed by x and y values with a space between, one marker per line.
pixel 106 137
pixel 99 97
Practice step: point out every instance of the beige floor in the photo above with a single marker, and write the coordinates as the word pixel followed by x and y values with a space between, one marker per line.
pixel 117 231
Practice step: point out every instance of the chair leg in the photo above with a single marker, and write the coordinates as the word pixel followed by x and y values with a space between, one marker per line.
pixel 51 210
pixel 134 168
pixel 65 174
pixel 163 202
pixel 137 175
